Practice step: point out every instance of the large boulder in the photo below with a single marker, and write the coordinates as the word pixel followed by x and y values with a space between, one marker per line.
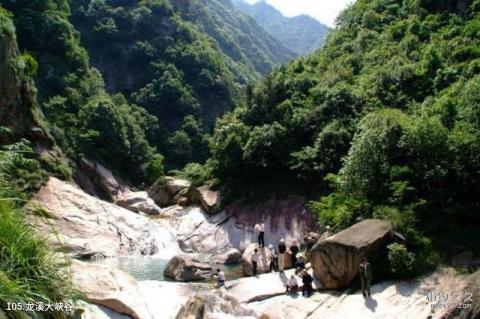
pixel 167 191
pixel 185 268
pixel 265 286
pixel 467 304
pixel 138 202
pixel 194 308
pixel 164 299
pixel 263 264
pixel 109 287
pixel 390 300
pixel 230 256
pixel 335 260
pixel 214 305
pixel 85 310
pixel 88 227
pixel 99 181
pixel 208 199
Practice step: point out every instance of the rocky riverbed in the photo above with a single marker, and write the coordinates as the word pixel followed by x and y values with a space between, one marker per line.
pixel 140 236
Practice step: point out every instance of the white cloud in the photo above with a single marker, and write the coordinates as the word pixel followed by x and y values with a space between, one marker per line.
pixel 325 11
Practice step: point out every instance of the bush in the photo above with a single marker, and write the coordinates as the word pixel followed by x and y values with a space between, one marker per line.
pixel 195 173
pixel 154 169
pixel 29 272
pixel 401 261
pixel 20 172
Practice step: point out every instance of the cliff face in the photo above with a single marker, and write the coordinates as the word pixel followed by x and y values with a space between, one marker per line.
pixel 18 107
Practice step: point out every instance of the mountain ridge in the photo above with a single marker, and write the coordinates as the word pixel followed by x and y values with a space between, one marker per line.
pixel 302 34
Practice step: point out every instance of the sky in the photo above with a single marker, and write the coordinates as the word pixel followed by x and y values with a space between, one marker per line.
pixel 323 10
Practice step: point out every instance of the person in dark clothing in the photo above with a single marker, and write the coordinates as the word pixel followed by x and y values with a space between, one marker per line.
pixel 365 272
pixel 273 259
pixel 300 265
pixel 307 288
pixel 220 278
pixel 309 244
pixel 294 251
pixel 255 261
pixel 282 249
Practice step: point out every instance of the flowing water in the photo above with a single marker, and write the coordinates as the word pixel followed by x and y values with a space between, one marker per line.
pixel 151 268
pixel 139 267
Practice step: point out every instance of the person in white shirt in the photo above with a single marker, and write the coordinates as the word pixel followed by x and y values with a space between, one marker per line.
pixel 260 228
pixel 292 284
pixel 254 260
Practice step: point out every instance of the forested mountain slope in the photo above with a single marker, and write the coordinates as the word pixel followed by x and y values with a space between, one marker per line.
pixel 390 106
pixel 301 34
pixel 84 119
pixel 170 69
pixel 183 61
pixel 250 48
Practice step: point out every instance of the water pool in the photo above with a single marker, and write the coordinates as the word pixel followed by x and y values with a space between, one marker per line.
pixel 151 268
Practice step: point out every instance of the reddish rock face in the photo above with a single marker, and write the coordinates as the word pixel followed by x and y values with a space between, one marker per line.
pixel 286 219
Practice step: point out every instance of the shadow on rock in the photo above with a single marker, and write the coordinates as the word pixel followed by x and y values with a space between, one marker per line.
pixel 371 304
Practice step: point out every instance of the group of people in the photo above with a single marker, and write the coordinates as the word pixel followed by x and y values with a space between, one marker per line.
pixel 279 259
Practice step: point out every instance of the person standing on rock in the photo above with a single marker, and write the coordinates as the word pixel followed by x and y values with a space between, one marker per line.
pixel 294 251
pixel 254 259
pixel 282 249
pixel 365 272
pixel 307 280
pixel 260 228
pixel 273 259
pixel 328 232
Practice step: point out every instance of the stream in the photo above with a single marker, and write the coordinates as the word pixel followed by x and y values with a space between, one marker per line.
pixel 150 268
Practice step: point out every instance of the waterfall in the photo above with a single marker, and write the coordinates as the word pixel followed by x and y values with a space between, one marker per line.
pixel 157 241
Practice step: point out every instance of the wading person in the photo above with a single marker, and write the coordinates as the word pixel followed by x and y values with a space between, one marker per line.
pixel 307 280
pixel 282 249
pixel 365 272
pixel 260 228
pixel 254 259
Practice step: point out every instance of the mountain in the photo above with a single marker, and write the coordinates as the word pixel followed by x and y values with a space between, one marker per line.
pixel 185 62
pixel 173 65
pixel 249 50
pixel 382 122
pixel 301 34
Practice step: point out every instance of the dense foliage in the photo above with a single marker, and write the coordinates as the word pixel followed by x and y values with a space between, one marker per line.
pixel 383 121
pixel 29 271
pixel 301 34
pixel 182 61
pixel 248 49
pixel 82 116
